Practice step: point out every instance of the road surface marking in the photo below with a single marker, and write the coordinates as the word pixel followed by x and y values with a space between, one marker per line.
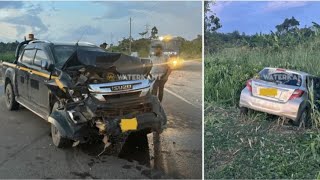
pixel 178 96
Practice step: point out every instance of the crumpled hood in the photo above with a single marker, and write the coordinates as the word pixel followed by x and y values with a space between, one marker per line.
pixel 122 63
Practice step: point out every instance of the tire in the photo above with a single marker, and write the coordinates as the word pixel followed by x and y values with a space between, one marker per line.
pixel 244 111
pixel 58 140
pixel 11 103
pixel 303 118
pixel 117 143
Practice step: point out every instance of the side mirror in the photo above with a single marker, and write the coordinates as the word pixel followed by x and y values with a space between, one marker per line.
pixel 50 68
pixel 45 65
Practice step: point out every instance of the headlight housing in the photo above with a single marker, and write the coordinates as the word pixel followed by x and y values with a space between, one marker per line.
pixel 76 95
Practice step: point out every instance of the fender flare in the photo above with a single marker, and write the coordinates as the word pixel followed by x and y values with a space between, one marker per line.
pixel 10 75
pixel 68 129
pixel 59 119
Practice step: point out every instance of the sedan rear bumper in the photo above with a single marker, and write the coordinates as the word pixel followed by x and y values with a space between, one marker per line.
pixel 289 109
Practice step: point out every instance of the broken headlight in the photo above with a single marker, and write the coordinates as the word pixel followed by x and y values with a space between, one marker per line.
pixel 77 95
pixel 148 90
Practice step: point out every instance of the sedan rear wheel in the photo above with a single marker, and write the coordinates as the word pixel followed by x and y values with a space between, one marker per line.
pixel 303 120
pixel 244 111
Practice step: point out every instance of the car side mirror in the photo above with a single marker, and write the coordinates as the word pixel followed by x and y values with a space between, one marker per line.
pixel 45 65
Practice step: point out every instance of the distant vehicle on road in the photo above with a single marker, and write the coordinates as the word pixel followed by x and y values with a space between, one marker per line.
pixel 171 48
pixel 77 87
pixel 281 92
pixel 135 54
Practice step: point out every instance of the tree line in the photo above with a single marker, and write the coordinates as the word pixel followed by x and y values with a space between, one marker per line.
pixel 287 34
pixel 188 48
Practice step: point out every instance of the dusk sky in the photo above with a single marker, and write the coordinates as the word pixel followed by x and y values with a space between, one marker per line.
pixel 253 17
pixel 97 21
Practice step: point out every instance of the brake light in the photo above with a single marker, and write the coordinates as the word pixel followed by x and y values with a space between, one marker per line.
pixel 296 94
pixel 249 85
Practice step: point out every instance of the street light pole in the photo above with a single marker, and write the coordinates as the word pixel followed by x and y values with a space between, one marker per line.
pixel 130 38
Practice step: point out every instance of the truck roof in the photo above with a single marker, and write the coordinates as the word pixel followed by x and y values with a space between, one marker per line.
pixel 44 42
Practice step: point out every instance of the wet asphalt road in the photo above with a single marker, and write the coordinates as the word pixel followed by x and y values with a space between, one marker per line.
pixel 26 149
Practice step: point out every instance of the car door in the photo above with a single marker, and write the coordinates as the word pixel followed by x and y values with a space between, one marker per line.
pixel 38 91
pixel 23 73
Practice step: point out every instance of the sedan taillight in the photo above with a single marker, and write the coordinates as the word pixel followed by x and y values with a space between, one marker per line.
pixel 296 94
pixel 249 85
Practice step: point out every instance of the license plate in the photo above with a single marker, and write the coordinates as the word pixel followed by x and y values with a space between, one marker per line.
pixel 268 92
pixel 121 87
pixel 129 124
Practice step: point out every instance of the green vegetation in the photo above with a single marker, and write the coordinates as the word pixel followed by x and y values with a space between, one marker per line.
pixel 258 145
pixel 188 50
pixel 7 51
pixel 7 56
pixel 227 70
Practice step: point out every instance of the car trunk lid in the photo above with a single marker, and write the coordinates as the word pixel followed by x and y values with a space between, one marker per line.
pixel 272 91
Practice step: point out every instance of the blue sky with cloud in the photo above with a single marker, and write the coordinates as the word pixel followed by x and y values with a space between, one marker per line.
pixel 98 21
pixel 253 17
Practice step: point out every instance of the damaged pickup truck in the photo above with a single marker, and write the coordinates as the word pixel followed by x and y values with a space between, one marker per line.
pixel 85 92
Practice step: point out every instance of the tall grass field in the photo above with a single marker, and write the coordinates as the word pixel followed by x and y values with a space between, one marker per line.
pixel 227 71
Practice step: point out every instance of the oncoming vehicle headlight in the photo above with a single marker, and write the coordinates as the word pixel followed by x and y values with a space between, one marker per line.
pixel 174 62
pixel 77 95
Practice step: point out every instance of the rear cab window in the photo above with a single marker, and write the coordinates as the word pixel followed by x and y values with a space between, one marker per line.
pixel 280 76
pixel 28 56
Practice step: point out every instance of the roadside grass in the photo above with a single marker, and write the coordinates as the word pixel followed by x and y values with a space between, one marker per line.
pixel 257 146
pixel 7 56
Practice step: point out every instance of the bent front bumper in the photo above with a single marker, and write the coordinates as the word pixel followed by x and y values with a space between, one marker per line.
pixel 289 109
pixel 77 120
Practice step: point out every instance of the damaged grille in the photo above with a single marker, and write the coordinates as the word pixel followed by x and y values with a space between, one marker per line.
pixel 125 95
pixel 121 111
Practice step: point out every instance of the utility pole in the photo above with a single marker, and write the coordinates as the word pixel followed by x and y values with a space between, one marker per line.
pixel 147 30
pixel 111 39
pixel 130 38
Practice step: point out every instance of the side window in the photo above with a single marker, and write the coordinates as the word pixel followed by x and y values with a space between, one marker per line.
pixel 28 56
pixel 40 56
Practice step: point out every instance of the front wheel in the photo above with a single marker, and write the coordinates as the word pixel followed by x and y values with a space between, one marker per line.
pixel 58 140
pixel 11 103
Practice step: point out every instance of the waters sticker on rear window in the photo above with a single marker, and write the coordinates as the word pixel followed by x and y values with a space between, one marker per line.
pixel 280 77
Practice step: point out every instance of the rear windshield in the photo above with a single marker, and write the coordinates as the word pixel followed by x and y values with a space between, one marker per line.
pixel 280 77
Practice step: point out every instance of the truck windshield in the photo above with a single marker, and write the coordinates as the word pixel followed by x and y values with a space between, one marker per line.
pixel 280 77
pixel 172 45
pixel 63 52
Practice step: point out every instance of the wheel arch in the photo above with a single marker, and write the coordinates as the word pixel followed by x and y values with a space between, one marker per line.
pixel 9 76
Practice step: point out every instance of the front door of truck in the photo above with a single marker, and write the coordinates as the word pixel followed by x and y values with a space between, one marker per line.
pixel 23 70
pixel 38 91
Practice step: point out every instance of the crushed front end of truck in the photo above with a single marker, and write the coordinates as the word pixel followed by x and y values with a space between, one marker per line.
pixel 104 99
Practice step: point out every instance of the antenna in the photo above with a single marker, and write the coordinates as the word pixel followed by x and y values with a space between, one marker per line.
pixel 147 30
pixel 84 31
